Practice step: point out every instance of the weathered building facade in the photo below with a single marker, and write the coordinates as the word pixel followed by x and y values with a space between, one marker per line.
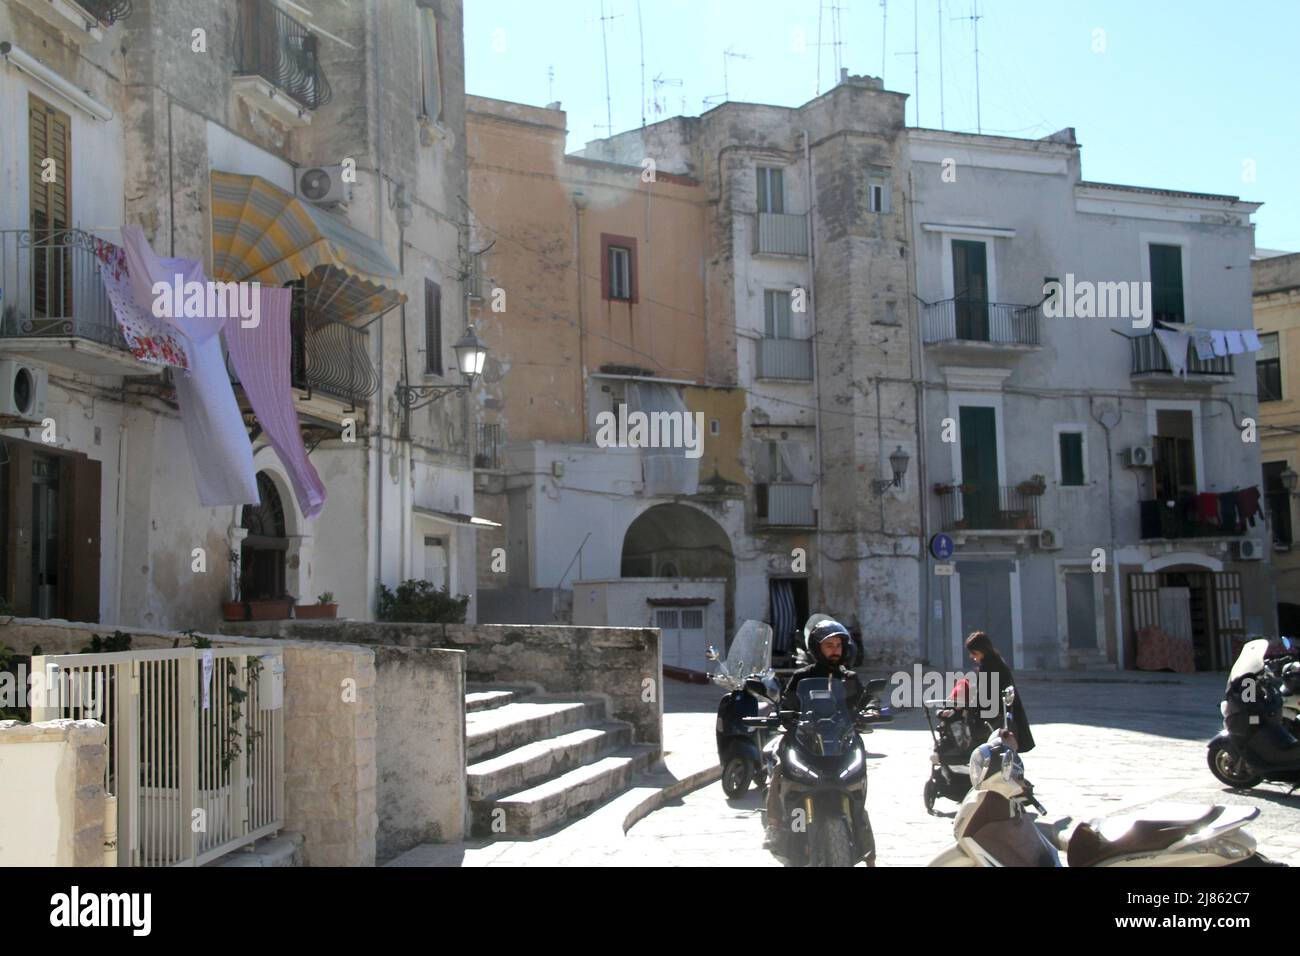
pixel 199 119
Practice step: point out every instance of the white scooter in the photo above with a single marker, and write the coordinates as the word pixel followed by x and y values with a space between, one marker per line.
pixel 993 826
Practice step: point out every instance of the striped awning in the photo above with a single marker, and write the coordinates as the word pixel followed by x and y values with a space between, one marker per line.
pixel 260 233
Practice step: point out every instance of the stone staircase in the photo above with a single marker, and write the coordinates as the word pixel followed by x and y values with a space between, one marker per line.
pixel 538 762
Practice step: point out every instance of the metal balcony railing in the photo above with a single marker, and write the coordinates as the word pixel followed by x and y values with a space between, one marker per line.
pixel 787 504
pixel 785 358
pixel 107 12
pixel 1175 519
pixel 782 234
pixel 271 44
pixel 50 287
pixel 974 320
pixel 489 443
pixel 972 507
pixel 1148 356
pixel 331 357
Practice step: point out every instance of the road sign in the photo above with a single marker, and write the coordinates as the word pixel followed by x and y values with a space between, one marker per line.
pixel 941 547
pixel 944 570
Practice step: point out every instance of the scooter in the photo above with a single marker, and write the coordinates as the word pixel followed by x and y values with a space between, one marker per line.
pixel 994 827
pixel 740 744
pixel 1256 743
pixel 824 774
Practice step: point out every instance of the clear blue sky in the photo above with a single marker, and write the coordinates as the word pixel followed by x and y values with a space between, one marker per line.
pixel 1181 95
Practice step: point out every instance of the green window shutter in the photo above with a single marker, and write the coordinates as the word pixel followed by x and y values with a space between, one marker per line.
pixel 1071 458
pixel 1167 283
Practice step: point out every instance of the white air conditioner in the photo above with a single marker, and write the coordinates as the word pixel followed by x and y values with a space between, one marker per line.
pixel 323 185
pixel 24 391
pixel 1049 539
pixel 1139 456
pixel 1249 549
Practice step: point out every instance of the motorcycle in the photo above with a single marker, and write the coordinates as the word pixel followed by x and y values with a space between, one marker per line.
pixel 1256 743
pixel 823 781
pixel 994 826
pixel 740 745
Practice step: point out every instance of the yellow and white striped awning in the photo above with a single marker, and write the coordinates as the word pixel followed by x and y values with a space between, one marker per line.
pixel 260 233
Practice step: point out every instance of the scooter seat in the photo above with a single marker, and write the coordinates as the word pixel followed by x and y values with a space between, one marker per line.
pixel 1088 846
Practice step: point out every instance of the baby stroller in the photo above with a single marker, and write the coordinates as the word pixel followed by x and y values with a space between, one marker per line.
pixel 957 730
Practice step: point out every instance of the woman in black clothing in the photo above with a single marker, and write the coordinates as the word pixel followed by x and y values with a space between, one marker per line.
pixel 989 661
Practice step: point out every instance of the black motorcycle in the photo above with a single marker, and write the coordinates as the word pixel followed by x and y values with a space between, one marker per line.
pixel 740 743
pixel 1255 744
pixel 823 780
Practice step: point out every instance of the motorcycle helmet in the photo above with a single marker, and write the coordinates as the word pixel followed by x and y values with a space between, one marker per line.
pixel 820 631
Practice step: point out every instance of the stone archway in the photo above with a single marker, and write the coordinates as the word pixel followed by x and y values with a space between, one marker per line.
pixel 674 540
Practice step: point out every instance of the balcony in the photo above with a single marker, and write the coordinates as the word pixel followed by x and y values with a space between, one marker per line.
pixel 332 358
pixel 785 359
pixel 781 234
pixel 277 59
pixel 489 445
pixel 1150 365
pixel 993 508
pixel 971 328
pixel 785 504
pixel 1174 520
pixel 106 12
pixel 81 20
pixel 53 305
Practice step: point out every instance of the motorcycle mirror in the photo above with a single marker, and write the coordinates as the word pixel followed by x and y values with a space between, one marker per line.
pixel 757 687
pixel 711 653
pixel 876 686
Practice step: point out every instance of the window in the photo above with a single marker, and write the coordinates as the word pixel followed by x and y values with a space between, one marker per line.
pixel 432 327
pixel 430 65
pixel 618 268
pixel 435 561
pixel 776 314
pixel 1175 454
pixel 1268 368
pixel 1070 447
pixel 878 190
pixel 771 189
pixel 1278 500
pixel 1166 282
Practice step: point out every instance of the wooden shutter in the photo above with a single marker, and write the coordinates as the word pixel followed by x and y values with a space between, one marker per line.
pixel 50 137
pixel 433 328
pixel 1071 458
pixel 1167 283
pixel 19 543
pixel 79 538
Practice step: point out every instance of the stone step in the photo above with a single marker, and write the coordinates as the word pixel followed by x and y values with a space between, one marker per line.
pixel 576 793
pixel 540 760
pixel 476 701
pixel 489 733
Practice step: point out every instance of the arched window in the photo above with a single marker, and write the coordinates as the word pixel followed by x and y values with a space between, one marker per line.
pixel 262 558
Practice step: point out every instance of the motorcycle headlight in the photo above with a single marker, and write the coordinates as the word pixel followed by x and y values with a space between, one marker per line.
pixel 792 757
pixel 854 765
pixel 979 762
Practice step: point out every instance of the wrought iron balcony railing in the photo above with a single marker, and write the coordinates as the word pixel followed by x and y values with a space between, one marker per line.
pixel 271 44
pixel 1149 357
pixel 50 287
pixel 489 443
pixel 1174 519
pixel 332 358
pixel 974 320
pixel 975 507
pixel 107 12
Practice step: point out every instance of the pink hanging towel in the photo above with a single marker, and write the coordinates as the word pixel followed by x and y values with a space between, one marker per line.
pixel 262 356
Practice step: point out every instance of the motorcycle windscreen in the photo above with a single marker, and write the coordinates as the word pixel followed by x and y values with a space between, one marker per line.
pixel 1250 661
pixel 825 725
pixel 750 651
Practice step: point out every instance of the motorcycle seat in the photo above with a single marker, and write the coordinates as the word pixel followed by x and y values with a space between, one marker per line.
pixel 1089 846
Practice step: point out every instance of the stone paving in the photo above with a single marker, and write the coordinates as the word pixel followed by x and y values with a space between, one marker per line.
pixel 1102 747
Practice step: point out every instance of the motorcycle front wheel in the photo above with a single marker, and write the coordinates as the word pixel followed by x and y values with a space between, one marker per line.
pixel 833 844
pixel 1228 767
pixel 736 775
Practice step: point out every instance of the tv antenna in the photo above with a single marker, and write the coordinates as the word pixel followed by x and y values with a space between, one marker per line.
pixel 975 19
pixel 728 54
pixel 836 40
pixel 657 84
pixel 915 54
pixel 550 84
pixel 604 42
pixel 884 35
pixel 941 119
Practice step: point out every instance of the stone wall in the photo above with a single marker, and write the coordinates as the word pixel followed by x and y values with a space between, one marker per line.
pixel 52 797
pixel 621 664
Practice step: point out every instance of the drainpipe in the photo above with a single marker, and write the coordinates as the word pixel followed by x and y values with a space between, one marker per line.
pixel 918 371
pixel 122 441
pixel 812 312
pixel 579 204
pixel 379 235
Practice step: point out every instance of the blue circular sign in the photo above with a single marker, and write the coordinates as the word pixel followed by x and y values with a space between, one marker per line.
pixel 941 547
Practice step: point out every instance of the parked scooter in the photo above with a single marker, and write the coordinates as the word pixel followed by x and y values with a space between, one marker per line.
pixel 994 826
pixel 740 745
pixel 1256 744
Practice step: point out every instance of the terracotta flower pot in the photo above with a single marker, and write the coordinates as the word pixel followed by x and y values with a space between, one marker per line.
pixel 234 611
pixel 270 610
pixel 316 612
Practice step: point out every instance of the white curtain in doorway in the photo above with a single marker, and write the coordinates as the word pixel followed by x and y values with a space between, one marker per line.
pixel 665 471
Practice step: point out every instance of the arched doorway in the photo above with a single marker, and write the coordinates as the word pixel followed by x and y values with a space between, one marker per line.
pixel 679 541
pixel 264 550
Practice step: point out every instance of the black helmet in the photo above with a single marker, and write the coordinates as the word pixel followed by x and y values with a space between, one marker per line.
pixel 819 630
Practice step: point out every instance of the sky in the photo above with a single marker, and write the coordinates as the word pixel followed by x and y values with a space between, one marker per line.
pixel 1177 94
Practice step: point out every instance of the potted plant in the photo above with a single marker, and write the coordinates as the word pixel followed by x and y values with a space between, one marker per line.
pixel 323 609
pixel 1035 486
pixel 271 609
pixel 234 610
pixel 942 488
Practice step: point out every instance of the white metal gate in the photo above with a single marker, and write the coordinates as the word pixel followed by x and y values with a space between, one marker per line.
pixel 195 744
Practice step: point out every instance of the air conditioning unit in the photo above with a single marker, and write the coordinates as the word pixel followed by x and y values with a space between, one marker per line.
pixel 24 391
pixel 323 185
pixel 1139 456
pixel 1250 550
pixel 481 481
pixel 1049 539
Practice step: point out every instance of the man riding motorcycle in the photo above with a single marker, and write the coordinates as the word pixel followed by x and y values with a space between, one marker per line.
pixel 828 643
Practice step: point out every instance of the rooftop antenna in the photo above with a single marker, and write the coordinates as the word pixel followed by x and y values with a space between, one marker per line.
pixel 915 54
pixel 604 42
pixel 821 7
pixel 839 39
pixel 942 124
pixel 884 35
pixel 641 38
pixel 550 84
pixel 657 84
pixel 730 54
pixel 975 18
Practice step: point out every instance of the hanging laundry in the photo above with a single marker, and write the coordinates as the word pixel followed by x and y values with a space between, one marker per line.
pixel 1248 505
pixel 262 359
pixel 1251 339
pixel 1220 339
pixel 220 452
pixel 1203 342
pixel 1175 348
pixel 1207 508
pixel 148 339
pixel 1228 514
pixel 1234 342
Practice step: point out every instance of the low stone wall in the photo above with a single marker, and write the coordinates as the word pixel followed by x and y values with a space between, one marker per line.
pixel 621 664
pixel 52 797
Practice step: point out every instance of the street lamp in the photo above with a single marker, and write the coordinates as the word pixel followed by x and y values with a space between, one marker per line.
pixel 471 352
pixel 898 462
pixel 1289 479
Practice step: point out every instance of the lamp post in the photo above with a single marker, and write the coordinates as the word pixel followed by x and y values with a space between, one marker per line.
pixel 898 462
pixel 1289 480
pixel 471 352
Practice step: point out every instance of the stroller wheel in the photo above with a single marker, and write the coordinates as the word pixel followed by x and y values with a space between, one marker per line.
pixel 931 791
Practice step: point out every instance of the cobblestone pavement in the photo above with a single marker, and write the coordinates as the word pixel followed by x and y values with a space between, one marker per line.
pixel 1101 748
